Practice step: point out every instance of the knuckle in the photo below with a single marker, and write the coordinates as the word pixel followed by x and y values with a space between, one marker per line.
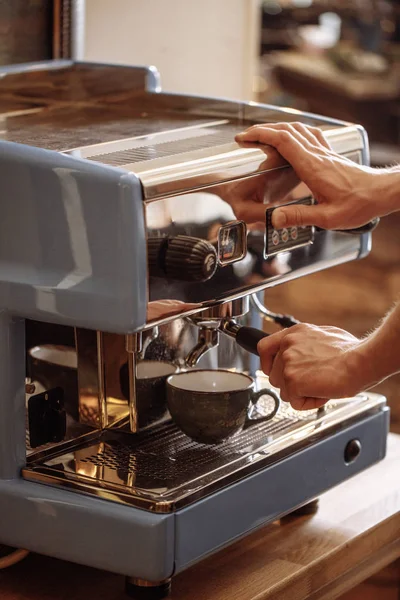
pixel 286 343
pixel 291 381
pixel 297 334
pixel 283 395
pixel 266 366
pixel 303 327
pixel 326 220
pixel 315 130
pixel 299 126
pixel 285 137
pixel 273 379
pixel 239 210
pixel 298 215
pixel 288 356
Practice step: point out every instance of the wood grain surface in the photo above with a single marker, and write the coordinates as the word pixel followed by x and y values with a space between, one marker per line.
pixel 355 533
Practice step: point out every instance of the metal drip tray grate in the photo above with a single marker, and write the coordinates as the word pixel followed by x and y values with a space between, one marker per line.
pixel 161 469
pixel 170 458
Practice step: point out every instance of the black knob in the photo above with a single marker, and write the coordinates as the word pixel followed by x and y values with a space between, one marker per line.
pixel 182 257
pixel 147 592
pixel 352 451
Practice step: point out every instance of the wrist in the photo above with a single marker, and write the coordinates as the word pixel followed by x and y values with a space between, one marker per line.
pixel 358 362
pixel 373 362
pixel 387 190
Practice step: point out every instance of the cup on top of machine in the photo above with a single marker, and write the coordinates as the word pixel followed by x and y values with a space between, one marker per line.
pixel 210 406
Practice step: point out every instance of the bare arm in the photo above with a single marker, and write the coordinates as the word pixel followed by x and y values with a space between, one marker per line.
pixel 313 364
pixel 348 195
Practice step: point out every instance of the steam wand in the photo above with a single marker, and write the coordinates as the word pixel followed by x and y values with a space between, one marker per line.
pixel 282 320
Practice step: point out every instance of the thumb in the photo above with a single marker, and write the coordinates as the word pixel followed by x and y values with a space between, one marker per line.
pixel 299 215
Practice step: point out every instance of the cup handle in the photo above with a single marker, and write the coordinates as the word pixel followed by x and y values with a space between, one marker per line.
pixel 255 398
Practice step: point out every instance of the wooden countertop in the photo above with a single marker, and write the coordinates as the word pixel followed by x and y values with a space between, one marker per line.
pixel 360 87
pixel 354 534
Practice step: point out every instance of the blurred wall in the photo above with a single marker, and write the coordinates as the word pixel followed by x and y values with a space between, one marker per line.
pixel 26 31
pixel 199 46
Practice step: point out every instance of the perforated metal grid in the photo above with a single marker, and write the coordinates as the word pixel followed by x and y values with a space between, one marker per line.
pixel 150 149
pixel 169 457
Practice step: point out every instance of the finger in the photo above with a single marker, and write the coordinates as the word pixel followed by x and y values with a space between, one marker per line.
pixel 268 348
pixel 311 137
pixel 308 403
pixel 250 211
pixel 284 141
pixel 299 215
pixel 307 136
pixel 313 134
pixel 276 376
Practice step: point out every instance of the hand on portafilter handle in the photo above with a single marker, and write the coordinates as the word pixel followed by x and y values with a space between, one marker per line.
pixel 268 347
pixel 311 365
pixel 348 195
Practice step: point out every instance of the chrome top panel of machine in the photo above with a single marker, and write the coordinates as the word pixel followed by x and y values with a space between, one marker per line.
pixel 199 155
pixel 103 169
pixel 197 182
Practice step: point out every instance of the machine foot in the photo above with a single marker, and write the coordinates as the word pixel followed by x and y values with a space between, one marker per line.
pixel 307 509
pixel 140 589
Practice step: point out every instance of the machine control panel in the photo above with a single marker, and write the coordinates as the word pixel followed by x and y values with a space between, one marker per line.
pixel 283 240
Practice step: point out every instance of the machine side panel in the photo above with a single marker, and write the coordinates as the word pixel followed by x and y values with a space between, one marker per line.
pixel 233 512
pixel 72 241
pixel 88 531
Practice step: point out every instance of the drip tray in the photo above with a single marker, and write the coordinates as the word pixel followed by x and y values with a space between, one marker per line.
pixel 161 469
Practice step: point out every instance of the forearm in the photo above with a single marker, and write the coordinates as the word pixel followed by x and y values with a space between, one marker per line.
pixel 379 353
pixel 387 190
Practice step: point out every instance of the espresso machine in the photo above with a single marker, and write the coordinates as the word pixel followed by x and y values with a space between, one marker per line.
pixel 127 255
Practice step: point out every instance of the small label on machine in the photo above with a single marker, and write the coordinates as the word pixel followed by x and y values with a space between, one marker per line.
pixel 286 239
pixel 231 242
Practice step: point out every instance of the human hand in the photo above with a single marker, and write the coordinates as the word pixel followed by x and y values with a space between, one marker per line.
pixel 248 197
pixel 348 195
pixel 310 364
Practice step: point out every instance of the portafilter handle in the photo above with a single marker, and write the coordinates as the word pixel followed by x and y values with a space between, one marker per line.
pixel 246 337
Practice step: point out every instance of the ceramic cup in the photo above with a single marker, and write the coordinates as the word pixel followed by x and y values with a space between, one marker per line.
pixel 56 366
pixel 211 406
pixel 151 377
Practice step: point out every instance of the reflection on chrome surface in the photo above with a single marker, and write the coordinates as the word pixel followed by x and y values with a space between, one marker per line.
pixel 175 225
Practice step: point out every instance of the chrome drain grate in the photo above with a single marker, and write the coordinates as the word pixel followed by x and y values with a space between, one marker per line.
pixel 161 469
pixel 169 456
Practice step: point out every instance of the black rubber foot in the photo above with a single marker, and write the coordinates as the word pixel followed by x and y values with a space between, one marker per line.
pixel 147 592
pixel 307 509
pixel 6 550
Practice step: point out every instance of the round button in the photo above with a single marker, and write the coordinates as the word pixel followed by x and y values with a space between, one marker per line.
pixel 275 237
pixel 294 233
pixel 352 451
pixel 285 236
